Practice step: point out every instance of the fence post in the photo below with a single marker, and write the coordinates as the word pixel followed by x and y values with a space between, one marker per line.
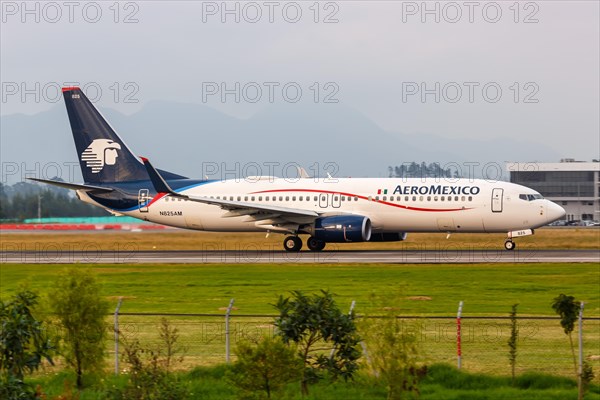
pixel 227 330
pixel 116 328
pixel 580 373
pixel 458 334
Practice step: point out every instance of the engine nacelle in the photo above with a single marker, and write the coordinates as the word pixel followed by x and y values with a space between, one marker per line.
pixel 342 228
pixel 388 237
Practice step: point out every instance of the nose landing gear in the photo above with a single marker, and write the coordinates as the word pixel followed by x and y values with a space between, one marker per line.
pixel 509 244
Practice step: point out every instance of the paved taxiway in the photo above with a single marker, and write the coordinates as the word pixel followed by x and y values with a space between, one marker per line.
pixel 305 257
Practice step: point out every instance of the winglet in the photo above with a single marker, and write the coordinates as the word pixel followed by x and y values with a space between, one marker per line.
pixel 160 185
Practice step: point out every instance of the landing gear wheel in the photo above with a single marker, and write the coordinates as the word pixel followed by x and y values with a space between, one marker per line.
pixel 509 245
pixel 315 244
pixel 292 243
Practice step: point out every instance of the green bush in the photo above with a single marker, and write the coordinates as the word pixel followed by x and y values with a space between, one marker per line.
pixel 23 345
pixel 314 322
pixel 150 377
pixel 80 310
pixel 264 368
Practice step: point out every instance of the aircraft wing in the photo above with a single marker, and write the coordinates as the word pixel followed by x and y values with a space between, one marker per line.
pixel 73 186
pixel 269 216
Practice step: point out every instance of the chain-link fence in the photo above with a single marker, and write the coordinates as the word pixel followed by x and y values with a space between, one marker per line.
pixel 542 345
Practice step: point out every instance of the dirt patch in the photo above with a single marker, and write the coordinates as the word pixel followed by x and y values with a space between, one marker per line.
pixel 419 298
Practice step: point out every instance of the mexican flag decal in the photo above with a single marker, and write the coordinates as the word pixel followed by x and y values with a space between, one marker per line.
pixel 381 191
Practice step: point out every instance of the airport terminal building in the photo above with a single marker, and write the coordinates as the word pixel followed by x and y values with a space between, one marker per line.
pixel 575 185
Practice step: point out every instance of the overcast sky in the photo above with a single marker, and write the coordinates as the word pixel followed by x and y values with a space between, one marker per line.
pixel 456 69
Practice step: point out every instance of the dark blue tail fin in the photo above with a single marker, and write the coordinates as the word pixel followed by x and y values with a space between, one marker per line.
pixel 103 156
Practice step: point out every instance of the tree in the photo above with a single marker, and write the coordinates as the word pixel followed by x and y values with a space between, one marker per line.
pixel 567 307
pixel 315 320
pixel 265 366
pixel 23 344
pixel 80 310
pixel 393 352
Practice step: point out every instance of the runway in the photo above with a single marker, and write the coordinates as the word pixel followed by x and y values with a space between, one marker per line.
pixel 303 257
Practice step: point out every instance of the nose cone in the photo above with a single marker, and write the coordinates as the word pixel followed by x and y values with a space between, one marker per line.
pixel 554 212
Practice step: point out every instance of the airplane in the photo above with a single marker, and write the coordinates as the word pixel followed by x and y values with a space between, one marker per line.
pixel 343 210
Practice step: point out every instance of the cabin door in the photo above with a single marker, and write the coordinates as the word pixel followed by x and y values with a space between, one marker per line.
pixel 497 195
pixel 143 199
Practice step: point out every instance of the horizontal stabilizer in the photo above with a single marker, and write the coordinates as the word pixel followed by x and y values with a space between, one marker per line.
pixel 73 186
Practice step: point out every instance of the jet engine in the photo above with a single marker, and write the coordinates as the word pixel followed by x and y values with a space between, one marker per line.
pixel 342 228
pixel 388 237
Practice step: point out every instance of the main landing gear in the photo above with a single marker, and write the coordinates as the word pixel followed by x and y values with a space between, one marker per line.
pixel 294 243
pixel 315 244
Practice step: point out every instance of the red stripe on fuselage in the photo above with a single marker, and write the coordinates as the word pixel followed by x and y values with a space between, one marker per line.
pixel 156 198
pixel 364 198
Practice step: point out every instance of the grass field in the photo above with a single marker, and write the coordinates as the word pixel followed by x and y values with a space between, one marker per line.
pixel 442 383
pixel 545 238
pixel 488 290
pixel 429 290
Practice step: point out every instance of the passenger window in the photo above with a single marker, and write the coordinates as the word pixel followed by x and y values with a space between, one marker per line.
pixel 384 198
pixel 252 198
pixel 470 198
pixel 355 198
pixel 293 198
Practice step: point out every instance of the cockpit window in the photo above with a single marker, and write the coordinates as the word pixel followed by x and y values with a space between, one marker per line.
pixel 531 197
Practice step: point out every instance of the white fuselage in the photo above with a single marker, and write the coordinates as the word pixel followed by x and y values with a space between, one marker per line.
pixel 392 204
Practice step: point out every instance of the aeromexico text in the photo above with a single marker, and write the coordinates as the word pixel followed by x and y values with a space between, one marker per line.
pixel 437 189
